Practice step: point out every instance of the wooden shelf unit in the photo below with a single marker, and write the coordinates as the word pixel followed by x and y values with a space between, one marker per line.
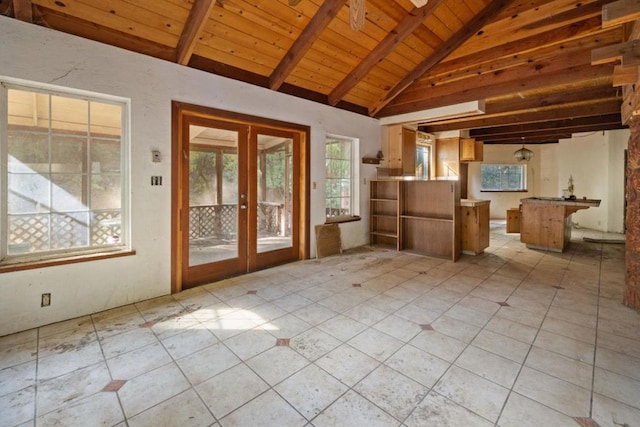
pixel 427 219
pixel 384 209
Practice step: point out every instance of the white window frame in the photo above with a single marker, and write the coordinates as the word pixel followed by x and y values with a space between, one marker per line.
pixel 354 178
pixel 124 241
pixel 524 178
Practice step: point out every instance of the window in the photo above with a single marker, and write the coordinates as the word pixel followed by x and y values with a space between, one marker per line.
pixel 423 158
pixel 64 187
pixel 340 177
pixel 503 177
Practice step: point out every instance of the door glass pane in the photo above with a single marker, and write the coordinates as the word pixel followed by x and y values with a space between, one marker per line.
pixel 275 193
pixel 213 195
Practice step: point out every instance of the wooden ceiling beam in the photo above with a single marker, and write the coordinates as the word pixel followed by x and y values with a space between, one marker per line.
pixel 507 82
pixel 548 126
pixel 620 12
pixel 537 69
pixel 627 53
pixel 581 10
pixel 575 30
pixel 528 101
pixel 402 30
pixel 623 76
pixel 535 142
pixel 196 21
pixel 595 109
pixel 533 139
pixel 593 40
pixel 89 30
pixel 327 11
pixel 549 134
pixel 448 46
pixel 23 10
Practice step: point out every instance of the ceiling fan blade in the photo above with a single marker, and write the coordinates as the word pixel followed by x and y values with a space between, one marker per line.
pixel 357 14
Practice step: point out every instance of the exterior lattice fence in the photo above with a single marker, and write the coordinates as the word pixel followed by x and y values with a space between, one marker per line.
pixel 220 221
pixel 43 232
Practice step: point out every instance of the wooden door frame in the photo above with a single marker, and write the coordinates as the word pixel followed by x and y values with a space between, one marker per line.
pixel 181 109
pixel 269 258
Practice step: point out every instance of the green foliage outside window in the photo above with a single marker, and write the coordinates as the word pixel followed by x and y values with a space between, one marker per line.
pixel 503 177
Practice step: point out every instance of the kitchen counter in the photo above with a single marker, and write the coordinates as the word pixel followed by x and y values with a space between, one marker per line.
pixel 471 203
pixel 546 221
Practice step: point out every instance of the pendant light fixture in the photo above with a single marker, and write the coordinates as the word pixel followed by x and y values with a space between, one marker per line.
pixel 523 154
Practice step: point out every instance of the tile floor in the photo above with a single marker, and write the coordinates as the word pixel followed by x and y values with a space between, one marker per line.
pixel 513 337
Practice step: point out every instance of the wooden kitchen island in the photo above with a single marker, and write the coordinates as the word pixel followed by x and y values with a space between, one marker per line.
pixel 546 221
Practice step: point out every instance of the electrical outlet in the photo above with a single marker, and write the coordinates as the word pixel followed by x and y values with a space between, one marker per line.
pixel 45 300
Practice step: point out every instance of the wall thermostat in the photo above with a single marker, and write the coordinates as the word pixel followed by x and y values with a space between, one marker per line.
pixel 156 157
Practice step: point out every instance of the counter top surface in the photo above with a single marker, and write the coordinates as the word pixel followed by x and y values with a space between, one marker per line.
pixel 560 201
pixel 471 203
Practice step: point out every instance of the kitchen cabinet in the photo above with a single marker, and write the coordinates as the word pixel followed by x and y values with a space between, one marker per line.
pixel 448 158
pixel 471 150
pixel 475 225
pixel 513 220
pixel 402 151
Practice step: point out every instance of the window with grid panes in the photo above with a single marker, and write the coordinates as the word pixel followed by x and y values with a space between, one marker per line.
pixel 339 178
pixel 63 182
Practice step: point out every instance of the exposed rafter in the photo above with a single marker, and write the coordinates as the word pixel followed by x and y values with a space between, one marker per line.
pixel 550 98
pixel 413 20
pixel 589 110
pixel 478 21
pixel 494 61
pixel 23 10
pixel 195 23
pixel 298 50
pixel 547 130
pixel 620 12
pixel 514 80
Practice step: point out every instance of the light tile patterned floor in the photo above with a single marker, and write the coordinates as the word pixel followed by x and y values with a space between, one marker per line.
pixel 513 337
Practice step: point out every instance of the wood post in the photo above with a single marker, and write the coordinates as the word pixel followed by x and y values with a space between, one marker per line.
pixel 632 248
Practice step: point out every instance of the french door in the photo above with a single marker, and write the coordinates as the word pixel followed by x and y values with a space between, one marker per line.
pixel 238 198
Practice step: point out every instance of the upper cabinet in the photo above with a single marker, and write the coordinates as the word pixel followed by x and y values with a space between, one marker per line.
pixel 471 150
pixel 450 152
pixel 402 151
pixel 448 158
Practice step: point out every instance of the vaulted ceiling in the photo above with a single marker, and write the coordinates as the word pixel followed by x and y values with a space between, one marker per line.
pixel 528 61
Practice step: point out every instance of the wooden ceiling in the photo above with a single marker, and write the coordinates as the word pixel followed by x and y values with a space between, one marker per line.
pixel 530 61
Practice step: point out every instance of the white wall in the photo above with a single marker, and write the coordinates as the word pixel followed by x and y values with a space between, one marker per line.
pixel 37 54
pixel 596 162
